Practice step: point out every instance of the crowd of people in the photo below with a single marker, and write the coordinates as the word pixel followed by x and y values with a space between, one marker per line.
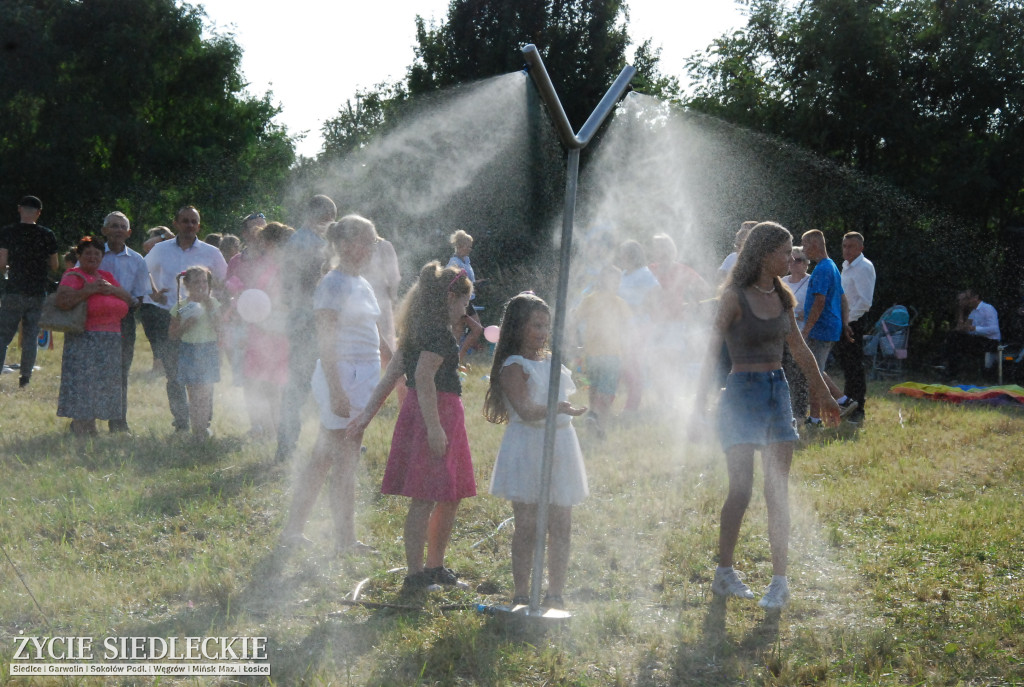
pixel 257 297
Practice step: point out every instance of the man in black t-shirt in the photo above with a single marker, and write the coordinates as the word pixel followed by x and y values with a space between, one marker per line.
pixel 28 253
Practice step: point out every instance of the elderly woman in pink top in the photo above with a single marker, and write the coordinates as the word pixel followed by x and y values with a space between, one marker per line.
pixel 90 374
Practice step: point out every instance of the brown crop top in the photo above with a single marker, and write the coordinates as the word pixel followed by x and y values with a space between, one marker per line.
pixel 752 340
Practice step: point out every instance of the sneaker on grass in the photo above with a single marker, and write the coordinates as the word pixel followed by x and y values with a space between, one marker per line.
pixel 776 596
pixel 727 582
pixel 447 577
pixel 423 580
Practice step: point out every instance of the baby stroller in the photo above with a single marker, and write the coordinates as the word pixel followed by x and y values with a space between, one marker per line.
pixel 887 342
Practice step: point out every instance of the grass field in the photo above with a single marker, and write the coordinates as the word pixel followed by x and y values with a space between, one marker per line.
pixel 906 559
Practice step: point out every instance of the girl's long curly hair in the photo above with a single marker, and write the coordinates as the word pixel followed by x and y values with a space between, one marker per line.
pixel 513 327
pixel 424 310
pixel 764 238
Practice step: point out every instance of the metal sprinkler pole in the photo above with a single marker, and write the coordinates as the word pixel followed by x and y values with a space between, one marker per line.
pixel 574 143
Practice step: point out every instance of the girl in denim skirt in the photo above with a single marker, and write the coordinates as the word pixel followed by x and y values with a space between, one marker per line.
pixel 755 319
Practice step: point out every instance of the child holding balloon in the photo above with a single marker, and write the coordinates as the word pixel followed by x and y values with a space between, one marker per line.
pixel 196 322
pixel 265 365
pixel 469 333
pixel 517 395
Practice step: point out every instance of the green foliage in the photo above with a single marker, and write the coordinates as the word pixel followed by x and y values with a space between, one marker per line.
pixel 583 42
pixel 648 79
pixel 122 103
pixel 923 94
pixel 919 92
pixel 375 110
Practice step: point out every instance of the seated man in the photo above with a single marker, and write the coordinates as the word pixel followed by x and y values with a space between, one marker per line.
pixel 976 333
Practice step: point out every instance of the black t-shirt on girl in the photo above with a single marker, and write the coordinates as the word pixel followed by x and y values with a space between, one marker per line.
pixel 443 343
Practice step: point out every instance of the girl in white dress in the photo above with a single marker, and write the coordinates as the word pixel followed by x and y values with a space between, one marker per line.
pixel 518 395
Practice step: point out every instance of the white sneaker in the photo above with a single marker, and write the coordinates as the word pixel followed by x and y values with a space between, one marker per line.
pixel 728 583
pixel 776 596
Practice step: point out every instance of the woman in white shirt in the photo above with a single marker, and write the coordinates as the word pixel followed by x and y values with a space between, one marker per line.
pixel 797 283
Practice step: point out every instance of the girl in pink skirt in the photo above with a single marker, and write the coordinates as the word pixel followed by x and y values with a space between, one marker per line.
pixel 430 460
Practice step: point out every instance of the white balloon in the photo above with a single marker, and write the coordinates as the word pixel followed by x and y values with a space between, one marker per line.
pixel 253 305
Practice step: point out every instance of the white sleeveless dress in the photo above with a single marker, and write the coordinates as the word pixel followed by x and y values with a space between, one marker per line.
pixel 517 471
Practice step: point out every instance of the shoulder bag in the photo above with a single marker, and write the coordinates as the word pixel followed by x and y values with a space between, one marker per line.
pixel 68 321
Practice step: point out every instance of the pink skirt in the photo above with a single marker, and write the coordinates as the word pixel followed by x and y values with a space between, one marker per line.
pixel 266 356
pixel 411 470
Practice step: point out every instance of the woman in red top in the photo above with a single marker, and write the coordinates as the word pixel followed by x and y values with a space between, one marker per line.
pixel 90 374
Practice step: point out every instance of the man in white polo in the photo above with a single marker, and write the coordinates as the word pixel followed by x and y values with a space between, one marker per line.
pixel 859 286
pixel 165 262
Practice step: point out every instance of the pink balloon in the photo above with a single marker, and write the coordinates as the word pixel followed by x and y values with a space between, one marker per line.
pixel 492 332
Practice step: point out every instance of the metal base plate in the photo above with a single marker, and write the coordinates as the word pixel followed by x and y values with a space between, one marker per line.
pixel 523 610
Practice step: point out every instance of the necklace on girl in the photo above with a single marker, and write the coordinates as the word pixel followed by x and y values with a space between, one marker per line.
pixel 766 292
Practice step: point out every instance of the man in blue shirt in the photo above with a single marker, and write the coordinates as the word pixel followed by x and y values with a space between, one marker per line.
pixel 823 306
pixel 129 268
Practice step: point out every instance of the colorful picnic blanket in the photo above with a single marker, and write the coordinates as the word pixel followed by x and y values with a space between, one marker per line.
pixel 989 395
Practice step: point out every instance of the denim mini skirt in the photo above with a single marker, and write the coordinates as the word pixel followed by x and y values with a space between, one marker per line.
pixel 755 409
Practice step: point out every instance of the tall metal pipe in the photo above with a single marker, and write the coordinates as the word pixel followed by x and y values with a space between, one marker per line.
pixel 574 142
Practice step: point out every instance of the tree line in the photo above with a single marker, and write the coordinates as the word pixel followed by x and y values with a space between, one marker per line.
pixel 920 99
pixel 915 104
pixel 124 104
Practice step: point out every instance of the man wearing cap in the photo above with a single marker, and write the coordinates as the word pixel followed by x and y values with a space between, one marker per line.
pixel 28 254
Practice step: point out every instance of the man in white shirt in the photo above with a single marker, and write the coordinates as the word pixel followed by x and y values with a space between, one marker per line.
pixel 858 280
pixel 976 333
pixel 165 262
pixel 129 268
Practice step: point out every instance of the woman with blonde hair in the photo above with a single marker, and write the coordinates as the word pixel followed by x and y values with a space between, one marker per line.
pixel 344 379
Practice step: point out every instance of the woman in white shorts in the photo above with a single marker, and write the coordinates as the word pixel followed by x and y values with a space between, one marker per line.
pixel 346 314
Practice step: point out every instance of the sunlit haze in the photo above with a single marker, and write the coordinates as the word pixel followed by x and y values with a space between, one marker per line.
pixel 290 48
